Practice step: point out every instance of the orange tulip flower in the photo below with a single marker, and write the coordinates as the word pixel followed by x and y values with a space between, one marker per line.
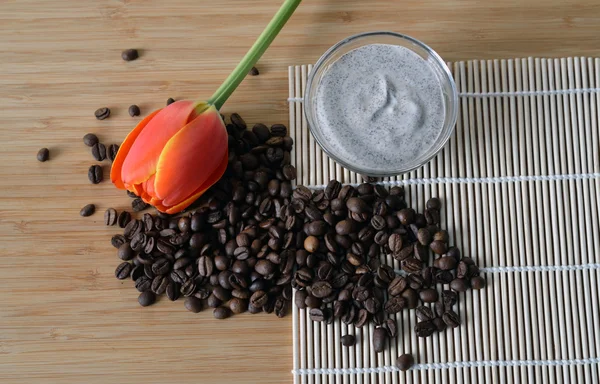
pixel 176 153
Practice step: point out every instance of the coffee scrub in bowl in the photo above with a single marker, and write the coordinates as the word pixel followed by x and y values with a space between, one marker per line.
pixel 381 103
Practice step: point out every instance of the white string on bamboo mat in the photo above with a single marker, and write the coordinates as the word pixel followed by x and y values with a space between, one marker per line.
pixel 532 268
pixel 505 94
pixel 477 180
pixel 457 364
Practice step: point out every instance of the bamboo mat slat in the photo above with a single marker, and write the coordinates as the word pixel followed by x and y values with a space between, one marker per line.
pixel 520 182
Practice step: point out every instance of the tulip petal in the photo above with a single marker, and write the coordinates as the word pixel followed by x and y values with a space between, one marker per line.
pixel 207 184
pixel 142 158
pixel 191 158
pixel 117 165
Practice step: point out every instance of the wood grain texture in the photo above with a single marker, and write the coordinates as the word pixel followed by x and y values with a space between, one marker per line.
pixel 64 318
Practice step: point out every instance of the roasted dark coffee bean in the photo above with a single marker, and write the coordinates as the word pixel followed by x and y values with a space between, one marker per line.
pixel 357 205
pixel 138 242
pixel 161 266
pixel 429 295
pixel 395 243
pixel 441 236
pixel 412 298
pixel 170 101
pixel 280 307
pixel 344 227
pixel 110 216
pixel 221 293
pixel 213 302
pixel 395 304
pixel 404 253
pixel 415 281
pixel 278 130
pixel 438 247
pixel 95 174
pixel 432 216
pixel 172 291
pixel 449 298
pixel 412 265
pixel 138 205
pixel 378 222
pixel 262 132
pixel 134 110
pixel 238 306
pixel 406 216
pixel 123 271
pixel 372 305
pixel 439 324
pixel 424 313
pixel 312 302
pixel 259 298
pixel 188 287
pixel 390 326
pixel 43 155
pixel 348 340
pixel 146 298
pixel 117 240
pixel 459 285
pixel 90 139
pixel 451 319
pixel 362 317
pixel 125 252
pixel 289 172
pixel 237 120
pixel 99 151
pixel 379 339
pixel 443 277
pixel 316 314
pixel 143 284
pixel 424 236
pixel 193 304
pixel 129 54
pixel 333 189
pixel 445 263
pixel 477 282
pixel 434 203
pixel 264 267
pixel 160 284
pixel 397 286
pixel 425 328
pixel 321 289
pixel 405 362
pixel 300 299
pixel 205 266
pixel 124 219
pixel 87 210
pixel 102 113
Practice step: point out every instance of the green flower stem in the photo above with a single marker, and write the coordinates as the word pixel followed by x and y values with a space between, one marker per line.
pixel 260 46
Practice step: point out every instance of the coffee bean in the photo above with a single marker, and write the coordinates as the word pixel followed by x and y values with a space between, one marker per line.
pixel 438 247
pixel 425 328
pixel 424 236
pixel 477 282
pixel 406 216
pixel 99 151
pixel 253 72
pixel 125 252
pixel 238 122
pixel 316 314
pixel 160 284
pixel 321 289
pixel 193 304
pixel 395 243
pixel 264 267
pixel 348 340
pixel 451 319
pixel 311 244
pixel 405 361
pixel 143 284
pixel 412 265
pixel 379 339
pixel 110 216
pixel 395 304
pixel 300 299
pixel 279 130
pixel 139 205
pixel 146 298
pixel 312 302
pixel 117 240
pixel 262 132
pixel 87 210
pixel 134 110
pixel 129 54
pixel 90 139
pixel 434 203
pixel 43 154
pixel 445 263
pixel 459 285
pixel 172 291
pixel 397 286
pixel 123 271
pixel 95 174
pixel 424 313
pixel 412 298
pixel 238 305
pixel 102 113
pixel 170 101
pixel 259 298
pixel 112 151
pixel 441 236
pixel 429 295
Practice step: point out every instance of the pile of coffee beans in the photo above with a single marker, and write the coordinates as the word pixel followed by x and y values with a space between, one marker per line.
pixel 253 237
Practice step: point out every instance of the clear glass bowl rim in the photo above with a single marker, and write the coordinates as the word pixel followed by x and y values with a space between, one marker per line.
pixel 452 111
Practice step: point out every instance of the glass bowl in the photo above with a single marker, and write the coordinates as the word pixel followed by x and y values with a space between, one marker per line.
pixel 448 88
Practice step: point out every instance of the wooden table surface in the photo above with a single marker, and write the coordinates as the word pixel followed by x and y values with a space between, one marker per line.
pixel 64 318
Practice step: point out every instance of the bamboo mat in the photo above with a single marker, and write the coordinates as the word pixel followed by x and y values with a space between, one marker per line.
pixel 520 182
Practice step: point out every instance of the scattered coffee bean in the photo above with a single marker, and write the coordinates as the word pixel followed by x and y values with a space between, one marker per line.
pixel 112 151
pixel 88 210
pixel 99 151
pixel 139 205
pixel 405 361
pixel 90 139
pixel 459 285
pixel 110 216
pixel 125 252
pixel 129 54
pixel 123 271
pixel 348 340
pixel 253 72
pixel 95 174
pixel 379 339
pixel 451 319
pixel 221 313
pixel 146 298
pixel 124 219
pixel 477 282
pixel 43 154
pixel 193 304
pixel 102 113
pixel 279 130
pixel 170 101
pixel 134 110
